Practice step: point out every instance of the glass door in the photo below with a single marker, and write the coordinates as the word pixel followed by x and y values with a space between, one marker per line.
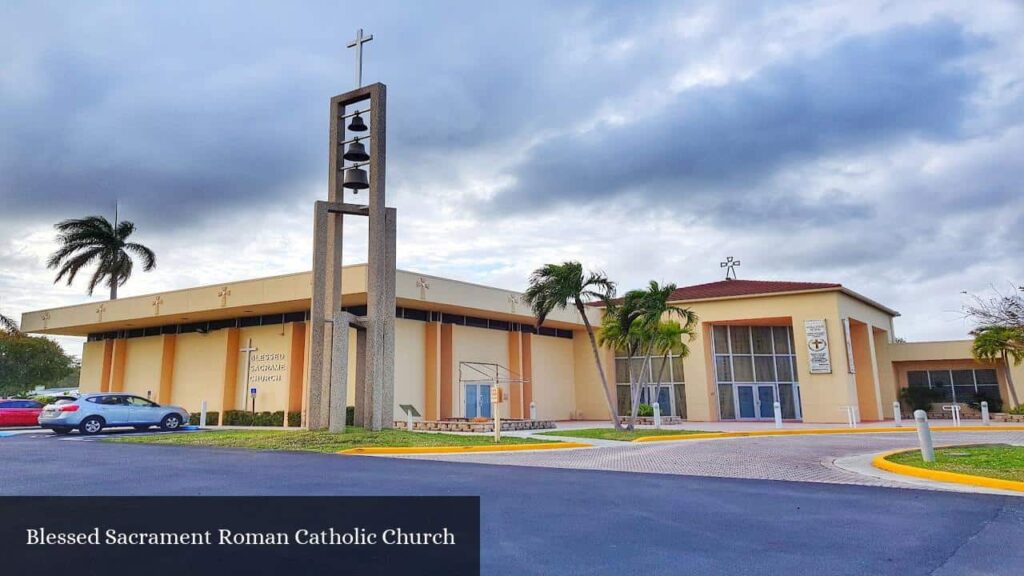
pixel 766 401
pixel 478 400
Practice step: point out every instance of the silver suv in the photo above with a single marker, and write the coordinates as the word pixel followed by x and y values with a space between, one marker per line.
pixel 91 413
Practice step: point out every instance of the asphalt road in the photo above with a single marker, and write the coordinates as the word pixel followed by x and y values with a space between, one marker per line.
pixel 547 521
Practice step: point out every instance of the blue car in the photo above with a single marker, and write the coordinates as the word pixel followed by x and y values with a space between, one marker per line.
pixel 91 413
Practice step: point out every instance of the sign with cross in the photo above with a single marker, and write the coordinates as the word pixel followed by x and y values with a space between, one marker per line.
pixel 358 45
pixel 818 359
pixel 730 265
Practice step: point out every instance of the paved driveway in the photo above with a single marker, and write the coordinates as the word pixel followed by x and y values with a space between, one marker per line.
pixel 796 458
pixel 557 521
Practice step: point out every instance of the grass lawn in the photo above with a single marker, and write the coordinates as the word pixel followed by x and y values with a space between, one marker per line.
pixel 992 460
pixel 623 435
pixel 315 441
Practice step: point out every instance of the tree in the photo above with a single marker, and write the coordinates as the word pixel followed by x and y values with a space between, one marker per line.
pixel 9 326
pixel 556 286
pixel 1001 343
pixel 637 325
pixel 30 361
pixel 94 240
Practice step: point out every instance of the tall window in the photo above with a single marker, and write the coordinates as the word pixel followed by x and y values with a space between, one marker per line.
pixel 671 397
pixel 750 361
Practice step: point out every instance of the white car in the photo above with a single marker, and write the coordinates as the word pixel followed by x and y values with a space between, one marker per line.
pixel 91 413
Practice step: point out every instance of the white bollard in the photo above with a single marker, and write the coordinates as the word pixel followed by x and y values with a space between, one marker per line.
pixel 897 414
pixel 984 413
pixel 657 415
pixel 924 436
pixel 202 414
pixel 533 410
pixel 778 415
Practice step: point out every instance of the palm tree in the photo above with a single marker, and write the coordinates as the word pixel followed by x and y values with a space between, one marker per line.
pixel 94 239
pixel 9 326
pixel 1000 343
pixel 560 285
pixel 634 324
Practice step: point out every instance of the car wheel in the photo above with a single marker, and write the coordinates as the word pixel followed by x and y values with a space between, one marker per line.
pixel 91 425
pixel 171 422
pixel 61 431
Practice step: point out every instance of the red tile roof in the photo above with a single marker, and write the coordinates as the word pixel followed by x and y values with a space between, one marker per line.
pixel 730 288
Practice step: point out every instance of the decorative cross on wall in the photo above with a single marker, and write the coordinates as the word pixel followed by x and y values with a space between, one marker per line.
pixel 99 312
pixel 513 300
pixel 156 305
pixel 45 317
pixel 730 265
pixel 423 285
pixel 223 295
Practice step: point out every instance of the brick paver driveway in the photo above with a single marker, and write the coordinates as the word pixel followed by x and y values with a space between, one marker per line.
pixel 796 458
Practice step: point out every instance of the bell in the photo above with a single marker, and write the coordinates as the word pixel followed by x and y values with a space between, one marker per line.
pixel 355 179
pixel 356 152
pixel 357 125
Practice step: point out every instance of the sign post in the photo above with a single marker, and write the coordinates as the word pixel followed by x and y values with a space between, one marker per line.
pixel 252 392
pixel 496 399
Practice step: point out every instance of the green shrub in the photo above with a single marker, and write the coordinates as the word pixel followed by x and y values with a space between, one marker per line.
pixel 350 416
pixel 211 419
pixel 645 410
pixel 913 398
pixel 244 418
pixel 995 404
pixel 1018 410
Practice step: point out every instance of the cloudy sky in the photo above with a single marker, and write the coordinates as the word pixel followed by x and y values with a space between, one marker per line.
pixel 874 143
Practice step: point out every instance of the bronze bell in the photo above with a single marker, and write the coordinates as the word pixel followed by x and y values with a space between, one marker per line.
pixel 356 152
pixel 355 179
pixel 357 124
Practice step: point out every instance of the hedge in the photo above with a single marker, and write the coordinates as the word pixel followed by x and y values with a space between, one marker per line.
pixel 244 418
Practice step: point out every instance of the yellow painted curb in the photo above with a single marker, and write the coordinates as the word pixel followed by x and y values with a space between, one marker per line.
pixel 812 431
pixel 881 461
pixel 462 449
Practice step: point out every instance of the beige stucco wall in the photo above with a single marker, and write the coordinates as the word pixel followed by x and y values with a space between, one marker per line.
pixel 142 366
pixel 199 370
pixel 590 400
pixel 554 384
pixel 92 367
pixel 410 360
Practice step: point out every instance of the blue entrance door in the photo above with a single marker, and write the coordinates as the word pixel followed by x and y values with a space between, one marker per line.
pixel 478 400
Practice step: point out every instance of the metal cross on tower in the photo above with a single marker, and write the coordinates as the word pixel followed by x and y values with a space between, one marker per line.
pixel 358 45
pixel 730 265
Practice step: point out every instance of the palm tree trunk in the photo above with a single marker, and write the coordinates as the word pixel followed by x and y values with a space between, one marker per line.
pixel 1009 380
pixel 113 290
pixel 612 407
pixel 641 380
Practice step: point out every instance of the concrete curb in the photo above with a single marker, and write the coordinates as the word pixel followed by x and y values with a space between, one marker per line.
pixel 881 462
pixel 461 449
pixel 814 431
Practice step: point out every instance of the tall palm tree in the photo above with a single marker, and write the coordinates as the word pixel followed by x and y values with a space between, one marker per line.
pixel 9 326
pixel 94 240
pixel 560 285
pixel 1000 343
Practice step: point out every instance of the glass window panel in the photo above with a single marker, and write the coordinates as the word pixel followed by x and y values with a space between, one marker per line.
pixel 726 408
pixel 764 369
pixel 991 392
pixel 621 371
pixel 723 370
pixel 721 338
pixel 917 379
pixel 781 336
pixel 762 336
pixel 965 393
pixel 623 397
pixel 787 401
pixel 939 378
pixel 986 377
pixel 963 378
pixel 677 369
pixel 638 367
pixel 743 368
pixel 784 368
pixel 739 338
pixel 680 393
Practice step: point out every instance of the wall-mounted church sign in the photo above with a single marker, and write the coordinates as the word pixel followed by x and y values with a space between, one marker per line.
pixel 818 358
